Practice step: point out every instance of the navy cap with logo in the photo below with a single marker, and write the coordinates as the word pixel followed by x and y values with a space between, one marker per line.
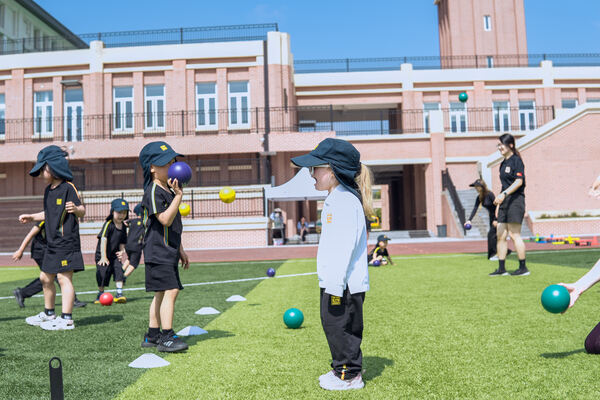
pixel 382 238
pixel 155 153
pixel 56 158
pixel 119 205
pixel 341 156
pixel 138 209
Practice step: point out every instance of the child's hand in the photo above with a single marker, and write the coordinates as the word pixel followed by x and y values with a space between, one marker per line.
pixel 122 256
pixel 495 224
pixel 174 184
pixel 70 207
pixel 25 218
pixel 185 261
pixel 103 261
pixel 17 255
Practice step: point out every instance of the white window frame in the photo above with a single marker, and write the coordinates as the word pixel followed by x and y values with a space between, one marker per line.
pixel 427 107
pixel 123 120
pixel 501 110
pixel 562 103
pixel 490 61
pixel 43 112
pixel 235 103
pixel 2 116
pixel 73 116
pixel 459 122
pixel 487 23
pixel 527 119
pixel 206 108
pixel 154 110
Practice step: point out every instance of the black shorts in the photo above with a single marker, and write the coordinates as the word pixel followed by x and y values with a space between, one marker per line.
pixel 161 277
pixel 104 272
pixel 134 258
pixel 58 261
pixel 39 261
pixel 512 210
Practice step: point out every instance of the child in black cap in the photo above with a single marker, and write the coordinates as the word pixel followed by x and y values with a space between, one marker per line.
pixel 342 256
pixel 62 208
pixel 162 244
pixel 135 236
pixel 380 251
pixel 111 240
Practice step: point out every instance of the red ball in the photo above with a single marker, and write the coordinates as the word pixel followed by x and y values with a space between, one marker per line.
pixel 106 299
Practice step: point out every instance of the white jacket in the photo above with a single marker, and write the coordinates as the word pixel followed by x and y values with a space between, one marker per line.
pixel 342 255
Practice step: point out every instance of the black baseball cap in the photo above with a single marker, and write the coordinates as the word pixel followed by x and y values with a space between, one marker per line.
pixel 155 153
pixel 119 205
pixel 382 238
pixel 340 155
pixel 56 158
pixel 478 182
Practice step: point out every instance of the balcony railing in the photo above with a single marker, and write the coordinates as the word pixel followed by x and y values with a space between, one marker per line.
pixel 345 122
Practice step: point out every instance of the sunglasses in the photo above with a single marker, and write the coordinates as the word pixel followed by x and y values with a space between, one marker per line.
pixel 312 169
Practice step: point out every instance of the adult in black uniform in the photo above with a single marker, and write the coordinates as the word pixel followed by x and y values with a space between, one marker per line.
pixel 511 202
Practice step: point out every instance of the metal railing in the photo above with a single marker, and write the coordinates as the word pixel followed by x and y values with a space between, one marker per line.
pixel 345 122
pixel 203 203
pixel 446 62
pixel 448 185
pixel 205 34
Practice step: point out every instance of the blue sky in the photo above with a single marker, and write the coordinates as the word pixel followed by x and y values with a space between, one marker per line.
pixel 334 28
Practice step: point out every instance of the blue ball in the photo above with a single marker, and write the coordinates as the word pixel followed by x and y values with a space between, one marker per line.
pixel 293 318
pixel 556 299
pixel 180 171
pixel 376 263
pixel 271 272
pixel 467 226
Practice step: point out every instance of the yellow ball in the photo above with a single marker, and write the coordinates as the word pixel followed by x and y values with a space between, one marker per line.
pixel 227 195
pixel 184 209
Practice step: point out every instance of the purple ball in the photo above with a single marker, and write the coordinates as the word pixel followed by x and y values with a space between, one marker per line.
pixel 271 272
pixel 180 171
pixel 376 263
pixel 467 226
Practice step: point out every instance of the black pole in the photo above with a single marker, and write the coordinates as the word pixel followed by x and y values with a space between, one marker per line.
pixel 56 380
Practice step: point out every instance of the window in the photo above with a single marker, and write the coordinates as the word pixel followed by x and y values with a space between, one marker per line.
pixel 2 13
pixel 28 28
pixel 37 39
pixel 427 108
pixel 490 61
pixel 597 100
pixel 527 115
pixel 2 117
pixel 42 111
pixel 458 117
pixel 123 109
pixel 239 105
pixel 73 115
pixel 487 23
pixel 15 24
pixel 206 106
pixel 569 103
pixel 501 116
pixel 155 107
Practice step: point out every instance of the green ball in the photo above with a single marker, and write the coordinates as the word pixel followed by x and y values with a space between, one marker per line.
pixel 293 318
pixel 556 299
pixel 463 97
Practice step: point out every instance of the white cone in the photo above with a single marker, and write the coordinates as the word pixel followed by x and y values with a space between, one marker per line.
pixel 191 331
pixel 149 360
pixel 207 311
pixel 236 297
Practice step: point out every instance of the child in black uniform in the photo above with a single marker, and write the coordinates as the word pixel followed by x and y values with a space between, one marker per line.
pixel 112 239
pixel 135 237
pixel 380 251
pixel 162 244
pixel 37 237
pixel 62 208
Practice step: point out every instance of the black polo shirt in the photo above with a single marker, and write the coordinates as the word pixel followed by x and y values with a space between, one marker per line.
pixel 135 235
pixel 38 244
pixel 114 238
pixel 512 169
pixel 377 251
pixel 161 244
pixel 62 228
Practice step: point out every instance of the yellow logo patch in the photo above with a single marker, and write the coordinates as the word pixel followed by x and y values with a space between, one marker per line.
pixel 122 203
pixel 329 218
pixel 58 202
pixel 336 300
pixel 139 222
pixel 163 147
pixel 64 263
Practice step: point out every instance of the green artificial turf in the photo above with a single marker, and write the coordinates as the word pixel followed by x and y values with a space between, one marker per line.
pixel 436 327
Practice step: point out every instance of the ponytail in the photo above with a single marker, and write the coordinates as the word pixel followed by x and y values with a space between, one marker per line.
pixel 364 180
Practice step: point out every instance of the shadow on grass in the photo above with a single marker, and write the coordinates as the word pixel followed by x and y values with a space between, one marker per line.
pixel 11 318
pixel 2 352
pixel 374 366
pixel 562 354
pixel 99 319
pixel 216 334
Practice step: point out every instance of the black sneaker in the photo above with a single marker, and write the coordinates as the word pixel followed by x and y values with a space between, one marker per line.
pixel 520 272
pixel 171 343
pixel 79 304
pixel 499 272
pixel 19 297
pixel 150 341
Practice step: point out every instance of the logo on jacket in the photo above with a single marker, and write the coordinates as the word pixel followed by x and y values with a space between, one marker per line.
pixel 58 202
pixel 64 263
pixel 507 169
pixel 336 300
pixel 329 218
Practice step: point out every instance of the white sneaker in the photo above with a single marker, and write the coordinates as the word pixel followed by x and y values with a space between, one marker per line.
pixel 493 258
pixel 58 324
pixel 36 320
pixel 326 376
pixel 332 382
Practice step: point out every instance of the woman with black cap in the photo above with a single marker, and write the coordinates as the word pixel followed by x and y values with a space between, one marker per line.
pixel 342 256
pixel 486 198
pixel 511 202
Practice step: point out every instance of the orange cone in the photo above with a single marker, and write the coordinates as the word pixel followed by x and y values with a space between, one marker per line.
pixel 594 241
